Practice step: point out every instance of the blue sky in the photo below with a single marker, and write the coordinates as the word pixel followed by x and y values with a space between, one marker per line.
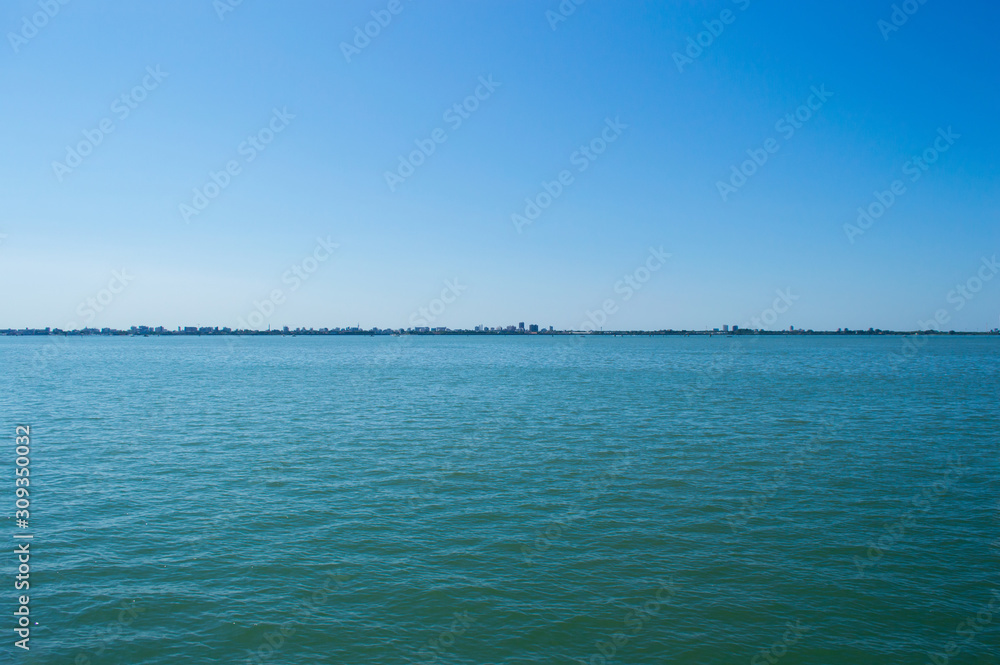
pixel 555 86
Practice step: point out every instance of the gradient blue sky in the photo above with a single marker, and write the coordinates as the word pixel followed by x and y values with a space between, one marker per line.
pixel 655 186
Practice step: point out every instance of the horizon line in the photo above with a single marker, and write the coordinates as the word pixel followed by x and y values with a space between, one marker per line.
pixel 184 331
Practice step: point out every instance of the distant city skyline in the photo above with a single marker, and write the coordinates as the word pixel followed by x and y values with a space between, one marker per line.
pixel 659 165
pixel 533 329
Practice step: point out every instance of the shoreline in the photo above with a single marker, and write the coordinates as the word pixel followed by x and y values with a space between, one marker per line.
pixel 225 332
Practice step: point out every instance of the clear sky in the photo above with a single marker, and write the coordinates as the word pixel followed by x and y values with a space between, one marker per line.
pixel 663 122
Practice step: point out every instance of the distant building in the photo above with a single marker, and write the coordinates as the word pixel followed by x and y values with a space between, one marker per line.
pixel 533 328
pixel 520 326
pixel 725 328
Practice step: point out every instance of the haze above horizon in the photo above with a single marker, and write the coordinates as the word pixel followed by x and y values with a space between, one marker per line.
pixel 656 165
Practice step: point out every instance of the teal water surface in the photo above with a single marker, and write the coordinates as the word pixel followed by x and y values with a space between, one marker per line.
pixel 507 500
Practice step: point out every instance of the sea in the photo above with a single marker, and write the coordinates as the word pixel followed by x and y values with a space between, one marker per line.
pixel 503 499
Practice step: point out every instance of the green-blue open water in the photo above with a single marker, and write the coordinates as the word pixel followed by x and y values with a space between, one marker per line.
pixel 506 500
